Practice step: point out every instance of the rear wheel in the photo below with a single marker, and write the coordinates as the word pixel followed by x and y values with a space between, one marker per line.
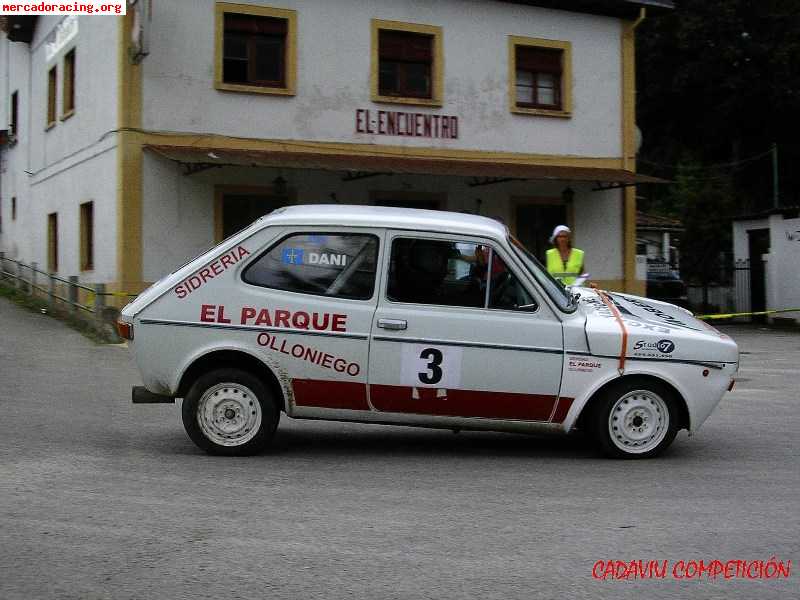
pixel 635 419
pixel 230 412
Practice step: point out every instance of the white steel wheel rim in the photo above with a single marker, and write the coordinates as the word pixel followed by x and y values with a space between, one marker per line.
pixel 638 421
pixel 229 414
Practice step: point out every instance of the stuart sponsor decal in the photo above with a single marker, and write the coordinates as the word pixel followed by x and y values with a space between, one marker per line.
pixel 218 267
pixel 278 317
pixel 661 348
pixel 308 354
pixel 666 346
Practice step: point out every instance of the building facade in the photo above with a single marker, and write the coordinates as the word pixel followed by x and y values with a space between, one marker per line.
pixel 766 248
pixel 134 143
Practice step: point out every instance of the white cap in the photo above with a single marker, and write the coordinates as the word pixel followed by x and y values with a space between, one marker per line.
pixel 557 230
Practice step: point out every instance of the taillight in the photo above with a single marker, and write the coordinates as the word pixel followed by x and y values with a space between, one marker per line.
pixel 125 330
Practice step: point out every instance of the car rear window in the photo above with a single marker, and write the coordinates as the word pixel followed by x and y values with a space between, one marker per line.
pixel 340 265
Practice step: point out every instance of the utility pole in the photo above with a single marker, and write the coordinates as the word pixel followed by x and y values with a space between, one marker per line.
pixel 775 195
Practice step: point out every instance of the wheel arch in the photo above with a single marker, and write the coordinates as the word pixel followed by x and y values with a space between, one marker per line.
pixel 684 419
pixel 231 358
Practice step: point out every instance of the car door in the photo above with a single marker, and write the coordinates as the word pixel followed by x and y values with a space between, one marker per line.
pixel 456 333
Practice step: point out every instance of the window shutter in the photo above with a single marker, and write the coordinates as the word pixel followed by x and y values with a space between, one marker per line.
pixel 539 60
pixel 404 46
pixel 254 25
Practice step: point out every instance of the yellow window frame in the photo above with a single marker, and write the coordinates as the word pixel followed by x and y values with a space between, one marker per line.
pixel 86 232
pixel 290 16
pixel 566 75
pixel 68 91
pixel 52 94
pixel 437 68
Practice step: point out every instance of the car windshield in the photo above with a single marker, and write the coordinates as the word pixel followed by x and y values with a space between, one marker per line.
pixel 565 300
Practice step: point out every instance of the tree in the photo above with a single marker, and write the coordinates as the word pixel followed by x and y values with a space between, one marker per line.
pixel 720 80
pixel 702 203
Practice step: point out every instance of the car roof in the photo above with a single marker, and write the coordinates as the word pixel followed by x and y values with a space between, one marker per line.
pixel 386 217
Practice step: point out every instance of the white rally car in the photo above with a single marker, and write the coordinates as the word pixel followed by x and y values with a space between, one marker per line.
pixel 413 317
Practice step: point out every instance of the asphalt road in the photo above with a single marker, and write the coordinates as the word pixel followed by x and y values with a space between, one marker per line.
pixel 103 499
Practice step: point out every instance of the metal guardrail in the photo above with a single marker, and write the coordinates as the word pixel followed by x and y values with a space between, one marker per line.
pixel 26 278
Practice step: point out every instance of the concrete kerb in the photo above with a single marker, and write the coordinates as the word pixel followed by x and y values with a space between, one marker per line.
pixel 82 307
pixel 104 332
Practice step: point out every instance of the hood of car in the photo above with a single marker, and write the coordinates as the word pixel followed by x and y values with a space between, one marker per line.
pixel 655 330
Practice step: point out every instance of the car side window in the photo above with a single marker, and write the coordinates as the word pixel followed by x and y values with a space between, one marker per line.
pixel 446 273
pixel 424 271
pixel 506 292
pixel 341 265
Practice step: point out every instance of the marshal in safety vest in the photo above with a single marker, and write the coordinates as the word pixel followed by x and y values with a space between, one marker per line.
pixel 567 271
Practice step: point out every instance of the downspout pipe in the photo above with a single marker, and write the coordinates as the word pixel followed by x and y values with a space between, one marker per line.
pixel 641 17
pixel 628 155
pixel 626 152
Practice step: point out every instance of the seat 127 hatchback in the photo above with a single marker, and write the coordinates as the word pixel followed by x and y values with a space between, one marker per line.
pixel 413 317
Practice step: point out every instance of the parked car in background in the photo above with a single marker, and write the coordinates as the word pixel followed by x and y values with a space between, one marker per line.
pixel 667 286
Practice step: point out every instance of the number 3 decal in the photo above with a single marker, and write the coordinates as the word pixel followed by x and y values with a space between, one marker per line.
pixel 434 373
pixel 434 366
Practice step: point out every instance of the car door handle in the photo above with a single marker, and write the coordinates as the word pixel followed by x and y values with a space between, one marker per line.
pixel 396 324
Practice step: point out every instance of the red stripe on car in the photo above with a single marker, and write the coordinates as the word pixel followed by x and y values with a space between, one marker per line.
pixel 330 394
pixel 562 408
pixel 461 403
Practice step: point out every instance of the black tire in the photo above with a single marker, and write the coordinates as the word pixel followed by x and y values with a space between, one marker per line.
pixel 646 420
pixel 230 412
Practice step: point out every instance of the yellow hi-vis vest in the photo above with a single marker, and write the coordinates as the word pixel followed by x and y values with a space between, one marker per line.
pixel 568 271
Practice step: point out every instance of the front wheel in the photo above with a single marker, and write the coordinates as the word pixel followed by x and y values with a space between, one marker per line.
pixel 230 412
pixel 635 419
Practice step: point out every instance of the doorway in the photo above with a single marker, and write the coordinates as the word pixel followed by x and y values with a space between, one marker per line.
pixel 236 207
pixel 535 220
pixel 757 244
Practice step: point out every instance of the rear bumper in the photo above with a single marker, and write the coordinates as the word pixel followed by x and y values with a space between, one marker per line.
pixel 141 395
